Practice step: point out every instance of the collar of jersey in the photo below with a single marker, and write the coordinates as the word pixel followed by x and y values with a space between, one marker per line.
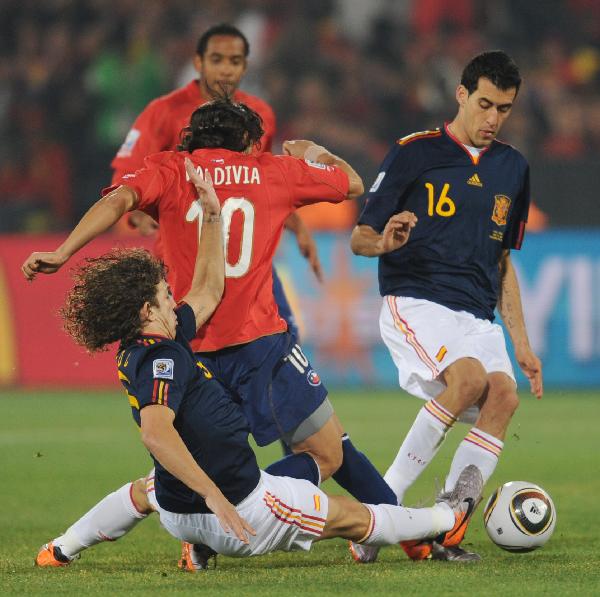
pixel 474 159
pixel 155 336
pixel 197 97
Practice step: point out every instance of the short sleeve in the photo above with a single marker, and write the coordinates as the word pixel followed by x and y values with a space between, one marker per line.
pixel 147 136
pixel 163 377
pixel 515 233
pixel 152 182
pixel 396 174
pixel 186 321
pixel 311 182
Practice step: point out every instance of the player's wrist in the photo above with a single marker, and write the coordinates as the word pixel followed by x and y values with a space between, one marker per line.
pixel 212 218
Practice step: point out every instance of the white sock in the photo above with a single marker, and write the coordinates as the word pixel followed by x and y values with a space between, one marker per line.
pixel 419 447
pixel 108 520
pixel 478 448
pixel 392 524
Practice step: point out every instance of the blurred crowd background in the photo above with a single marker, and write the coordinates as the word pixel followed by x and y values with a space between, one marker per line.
pixel 353 75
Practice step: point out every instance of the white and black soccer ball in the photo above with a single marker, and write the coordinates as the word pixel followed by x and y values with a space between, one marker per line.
pixel 519 516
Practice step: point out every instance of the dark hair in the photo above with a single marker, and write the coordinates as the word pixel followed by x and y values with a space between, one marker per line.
pixel 497 66
pixel 104 304
pixel 222 123
pixel 221 29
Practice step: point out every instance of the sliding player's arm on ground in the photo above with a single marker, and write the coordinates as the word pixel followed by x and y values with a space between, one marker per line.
pixel 366 241
pixel 511 311
pixel 208 281
pixel 162 440
pixel 310 151
pixel 98 219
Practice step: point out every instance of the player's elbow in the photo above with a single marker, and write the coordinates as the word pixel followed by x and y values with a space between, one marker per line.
pixel 150 439
pixel 357 242
pixel 354 241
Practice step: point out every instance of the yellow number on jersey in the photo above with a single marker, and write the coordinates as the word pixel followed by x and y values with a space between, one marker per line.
pixel 444 206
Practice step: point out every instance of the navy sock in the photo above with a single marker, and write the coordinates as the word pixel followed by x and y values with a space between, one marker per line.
pixel 361 479
pixel 299 466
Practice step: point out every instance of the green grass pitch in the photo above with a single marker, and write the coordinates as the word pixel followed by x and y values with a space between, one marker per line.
pixel 61 452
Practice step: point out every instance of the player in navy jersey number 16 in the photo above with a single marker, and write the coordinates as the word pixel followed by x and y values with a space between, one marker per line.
pixel 460 199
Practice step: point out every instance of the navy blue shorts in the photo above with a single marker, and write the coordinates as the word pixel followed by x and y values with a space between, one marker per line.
pixel 285 311
pixel 272 380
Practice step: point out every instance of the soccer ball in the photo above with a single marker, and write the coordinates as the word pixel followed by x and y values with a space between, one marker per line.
pixel 519 516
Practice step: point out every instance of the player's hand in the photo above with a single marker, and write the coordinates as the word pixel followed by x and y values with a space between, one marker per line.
pixel 308 249
pixel 42 263
pixel 143 223
pixel 229 519
pixel 204 187
pixel 532 367
pixel 397 231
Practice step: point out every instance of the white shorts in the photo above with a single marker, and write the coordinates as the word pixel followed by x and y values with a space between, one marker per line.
pixel 424 338
pixel 287 515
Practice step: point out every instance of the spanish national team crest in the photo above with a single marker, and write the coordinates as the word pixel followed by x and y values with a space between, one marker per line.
pixel 313 378
pixel 501 207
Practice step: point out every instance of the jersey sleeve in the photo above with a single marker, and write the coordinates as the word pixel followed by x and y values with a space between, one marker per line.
pixel 312 182
pixel 162 378
pixel 269 127
pixel 186 321
pixel 147 135
pixel 383 200
pixel 152 182
pixel 513 238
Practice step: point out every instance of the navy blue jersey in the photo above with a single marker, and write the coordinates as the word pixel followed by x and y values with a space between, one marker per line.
pixel 157 370
pixel 470 210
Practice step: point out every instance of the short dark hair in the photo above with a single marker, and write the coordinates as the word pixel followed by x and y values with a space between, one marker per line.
pixel 221 29
pixel 104 304
pixel 224 124
pixel 497 66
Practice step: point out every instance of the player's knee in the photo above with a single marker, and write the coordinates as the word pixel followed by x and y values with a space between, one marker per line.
pixel 467 379
pixel 470 387
pixel 139 497
pixel 506 402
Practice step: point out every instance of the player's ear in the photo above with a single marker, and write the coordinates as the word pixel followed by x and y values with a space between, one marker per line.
pixel 198 63
pixel 462 94
pixel 146 313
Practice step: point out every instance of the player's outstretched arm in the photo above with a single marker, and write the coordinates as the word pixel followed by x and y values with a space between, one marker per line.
pixel 162 440
pixel 208 281
pixel 368 242
pixel 511 311
pixel 309 150
pixel 99 218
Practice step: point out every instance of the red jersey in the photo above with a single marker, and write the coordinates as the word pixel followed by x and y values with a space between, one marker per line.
pixel 159 125
pixel 257 193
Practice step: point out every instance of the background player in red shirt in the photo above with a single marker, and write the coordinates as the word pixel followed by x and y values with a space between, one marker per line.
pixel 245 343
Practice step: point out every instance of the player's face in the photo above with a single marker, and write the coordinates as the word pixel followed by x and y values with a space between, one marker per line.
pixel 484 111
pixel 222 66
pixel 164 310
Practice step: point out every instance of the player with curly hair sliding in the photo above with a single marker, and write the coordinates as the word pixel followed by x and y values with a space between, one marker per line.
pixel 206 485
pixel 245 343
